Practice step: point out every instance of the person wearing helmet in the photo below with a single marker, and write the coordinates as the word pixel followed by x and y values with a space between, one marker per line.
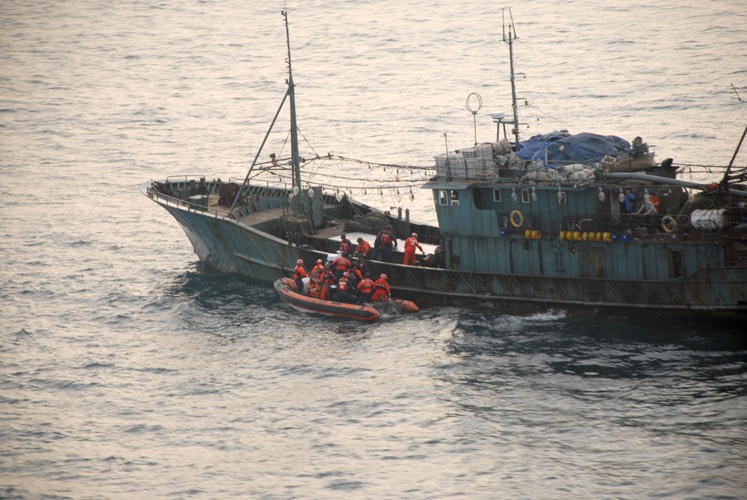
pixel 382 291
pixel 299 273
pixel 411 244
pixel 318 268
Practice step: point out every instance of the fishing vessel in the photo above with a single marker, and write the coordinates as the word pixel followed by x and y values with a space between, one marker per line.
pixel 556 220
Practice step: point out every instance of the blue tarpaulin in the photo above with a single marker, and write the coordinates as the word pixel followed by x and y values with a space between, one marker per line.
pixel 562 147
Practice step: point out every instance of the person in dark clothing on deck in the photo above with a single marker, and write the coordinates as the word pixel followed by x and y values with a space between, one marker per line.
pixel 388 244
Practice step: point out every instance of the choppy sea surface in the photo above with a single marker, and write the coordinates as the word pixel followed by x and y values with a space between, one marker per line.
pixel 130 370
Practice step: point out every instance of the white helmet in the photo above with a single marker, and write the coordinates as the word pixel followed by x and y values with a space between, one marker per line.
pixel 299 261
pixel 414 235
pixel 383 276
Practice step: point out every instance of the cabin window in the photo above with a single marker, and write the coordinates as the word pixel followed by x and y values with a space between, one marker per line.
pixel 442 197
pixel 561 198
pixel 525 196
pixel 497 195
pixel 455 198
pixel 676 267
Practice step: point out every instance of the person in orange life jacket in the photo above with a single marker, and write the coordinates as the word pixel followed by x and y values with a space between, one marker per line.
pixel 366 289
pixel 388 243
pixel 343 288
pixel 345 246
pixel 363 248
pixel 340 265
pixel 318 267
pixel 382 290
pixel 299 274
pixel 410 244
pixel 315 286
pixel 328 279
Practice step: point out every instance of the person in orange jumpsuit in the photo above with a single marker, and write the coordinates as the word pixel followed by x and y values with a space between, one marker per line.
pixel 299 273
pixel 382 290
pixel 365 289
pixel 411 244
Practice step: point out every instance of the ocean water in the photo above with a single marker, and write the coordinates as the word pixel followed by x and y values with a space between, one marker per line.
pixel 130 370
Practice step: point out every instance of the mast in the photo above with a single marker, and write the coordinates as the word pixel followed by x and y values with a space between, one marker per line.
pixel 510 40
pixel 295 158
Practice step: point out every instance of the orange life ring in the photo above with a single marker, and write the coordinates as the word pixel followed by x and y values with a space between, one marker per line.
pixel 517 218
pixel 668 223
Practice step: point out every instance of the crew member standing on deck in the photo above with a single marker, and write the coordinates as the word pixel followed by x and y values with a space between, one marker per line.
pixel 411 244
pixel 345 245
pixel 299 273
pixel 376 253
pixel 388 243
pixel 629 201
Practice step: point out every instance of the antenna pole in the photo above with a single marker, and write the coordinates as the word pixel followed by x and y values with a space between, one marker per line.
pixel 511 37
